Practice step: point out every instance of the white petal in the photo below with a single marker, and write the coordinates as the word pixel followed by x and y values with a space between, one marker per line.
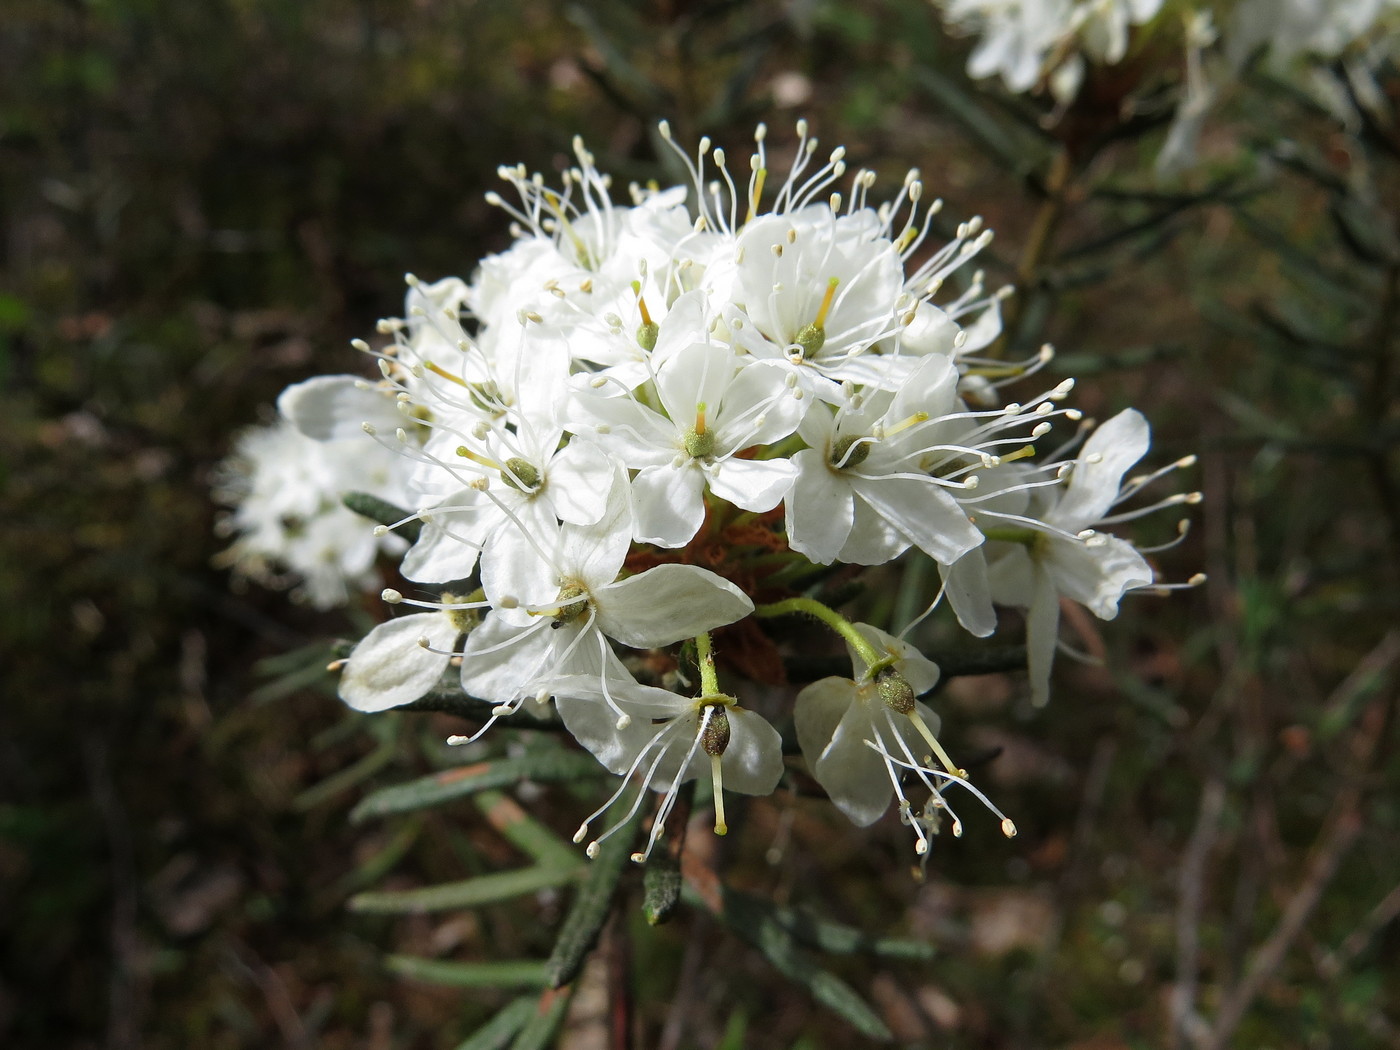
pixel 758 409
pixel 668 504
pixel 852 774
pixel 503 661
pixel 595 553
pixel 970 593
pixel 818 711
pixel 931 388
pixel 924 513
pixel 697 375
pixel 389 668
pixel 753 484
pixel 636 435
pixel 332 408
pixel 918 670
pixel 579 481
pixel 593 723
pixel 752 764
pixel 1011 574
pixel 873 540
pixel 1093 486
pixel 438 557
pixel 1098 575
pixel 820 508
pixel 668 603
pixel 512 564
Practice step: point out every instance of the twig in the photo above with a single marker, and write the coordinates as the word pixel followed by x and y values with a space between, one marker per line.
pixel 1186 1023
pixel 1340 832
pixel 1355 942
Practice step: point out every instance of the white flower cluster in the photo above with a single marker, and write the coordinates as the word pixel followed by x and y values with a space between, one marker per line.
pixel 290 526
pixel 1047 45
pixel 1035 43
pixel 644 423
pixel 1288 29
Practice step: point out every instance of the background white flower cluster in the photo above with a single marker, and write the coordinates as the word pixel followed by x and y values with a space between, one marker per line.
pixel 643 423
pixel 1331 48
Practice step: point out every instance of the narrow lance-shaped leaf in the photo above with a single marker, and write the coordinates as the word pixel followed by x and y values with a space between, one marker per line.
pixel 513 973
pixel 827 936
pixel 661 888
pixel 541 766
pixel 526 833
pixel 384 512
pixel 468 893
pixel 592 905
pixel 542 1025
pixel 753 921
pixel 497 1033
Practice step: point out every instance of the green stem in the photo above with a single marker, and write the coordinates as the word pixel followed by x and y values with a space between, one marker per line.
pixel 705 656
pixel 838 623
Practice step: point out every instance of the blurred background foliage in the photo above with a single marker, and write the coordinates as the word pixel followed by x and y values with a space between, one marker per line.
pixel 201 203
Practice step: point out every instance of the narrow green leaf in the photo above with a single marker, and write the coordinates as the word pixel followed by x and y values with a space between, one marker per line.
pixel 376 509
pixel 592 905
pixel 496 1033
pixel 468 893
pixel 661 889
pixel 753 920
pixel 447 696
pixel 840 939
pixel 526 833
pixel 1011 147
pixel 512 973
pixel 539 1030
pixel 347 778
pixel 377 866
pixel 542 766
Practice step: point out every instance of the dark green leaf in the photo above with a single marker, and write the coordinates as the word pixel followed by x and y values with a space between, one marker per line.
pixel 496 1033
pixel 661 889
pixel 513 973
pixel 542 765
pixel 753 920
pixel 347 778
pixel 592 905
pixel 468 893
pixel 376 509
pixel 526 833
pixel 539 1030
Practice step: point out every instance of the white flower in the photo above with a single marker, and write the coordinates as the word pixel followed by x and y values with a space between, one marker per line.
pixel 1034 42
pixel 558 599
pixel 401 659
pixel 1290 28
pixel 714 406
pixel 868 457
pixel 859 735
pixel 286 490
pixel 672 739
pixel 1060 551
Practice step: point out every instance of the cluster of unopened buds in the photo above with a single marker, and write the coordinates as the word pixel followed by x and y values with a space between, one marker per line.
pixel 645 432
